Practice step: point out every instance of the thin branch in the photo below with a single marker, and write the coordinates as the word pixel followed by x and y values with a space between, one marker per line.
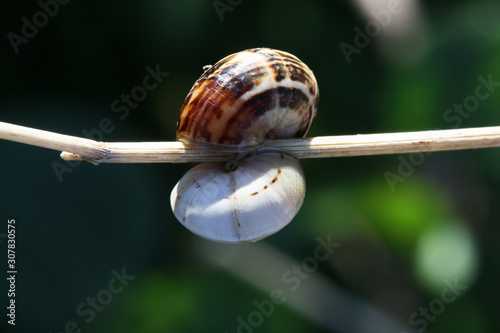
pixel 75 148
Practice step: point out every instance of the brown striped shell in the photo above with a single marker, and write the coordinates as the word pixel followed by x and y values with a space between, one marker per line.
pixel 239 102
pixel 248 97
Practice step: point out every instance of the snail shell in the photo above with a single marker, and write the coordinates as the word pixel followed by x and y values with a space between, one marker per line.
pixel 238 103
pixel 240 203
pixel 248 97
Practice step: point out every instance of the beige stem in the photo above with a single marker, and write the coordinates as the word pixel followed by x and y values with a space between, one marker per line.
pixel 75 148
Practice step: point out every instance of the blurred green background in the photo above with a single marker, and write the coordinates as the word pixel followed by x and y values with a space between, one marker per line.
pixel 420 255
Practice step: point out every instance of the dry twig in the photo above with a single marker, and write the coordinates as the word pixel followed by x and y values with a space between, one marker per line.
pixel 75 148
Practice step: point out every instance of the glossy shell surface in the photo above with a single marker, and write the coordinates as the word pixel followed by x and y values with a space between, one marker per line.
pixel 248 97
pixel 241 201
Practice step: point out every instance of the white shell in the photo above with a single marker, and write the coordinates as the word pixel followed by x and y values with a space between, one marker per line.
pixel 243 201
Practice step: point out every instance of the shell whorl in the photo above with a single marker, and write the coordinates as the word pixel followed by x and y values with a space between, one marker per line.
pixel 239 102
pixel 248 97
pixel 245 203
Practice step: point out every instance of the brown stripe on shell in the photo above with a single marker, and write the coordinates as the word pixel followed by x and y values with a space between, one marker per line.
pixel 215 113
pixel 244 82
pixel 303 130
pixel 286 65
pixel 288 98
pixel 199 95
pixel 279 72
pixel 218 65
pixel 225 84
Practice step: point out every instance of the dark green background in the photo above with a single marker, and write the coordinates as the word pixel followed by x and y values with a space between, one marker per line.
pixel 396 247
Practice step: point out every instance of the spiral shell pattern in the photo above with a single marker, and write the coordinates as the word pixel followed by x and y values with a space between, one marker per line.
pixel 239 102
pixel 248 97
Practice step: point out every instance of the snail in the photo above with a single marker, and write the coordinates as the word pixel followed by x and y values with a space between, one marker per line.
pixel 255 199
pixel 237 104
